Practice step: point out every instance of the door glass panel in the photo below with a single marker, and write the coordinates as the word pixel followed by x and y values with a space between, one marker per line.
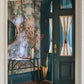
pixel 65 4
pixel 50 35
pixel 51 7
pixel 65 35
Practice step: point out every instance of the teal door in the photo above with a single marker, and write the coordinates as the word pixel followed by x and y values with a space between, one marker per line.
pixel 63 42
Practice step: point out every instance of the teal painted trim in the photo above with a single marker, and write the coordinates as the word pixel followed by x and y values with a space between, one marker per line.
pixel 49 74
pixel 23 77
pixel 45 15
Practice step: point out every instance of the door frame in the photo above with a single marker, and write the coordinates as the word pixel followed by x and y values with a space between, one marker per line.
pixel 3 42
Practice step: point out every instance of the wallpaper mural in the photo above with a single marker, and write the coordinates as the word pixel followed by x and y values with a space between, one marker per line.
pixel 25 15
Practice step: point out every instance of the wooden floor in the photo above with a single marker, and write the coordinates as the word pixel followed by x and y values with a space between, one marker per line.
pixel 36 82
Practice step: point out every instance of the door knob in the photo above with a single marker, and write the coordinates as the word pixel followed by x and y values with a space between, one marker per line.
pixel 55 48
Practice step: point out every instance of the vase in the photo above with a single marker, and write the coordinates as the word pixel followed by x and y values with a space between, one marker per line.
pixel 32 53
pixel 44 71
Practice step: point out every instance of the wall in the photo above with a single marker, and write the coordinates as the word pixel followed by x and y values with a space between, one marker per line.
pixel 78 35
pixel 82 42
pixel 27 23
pixel 26 18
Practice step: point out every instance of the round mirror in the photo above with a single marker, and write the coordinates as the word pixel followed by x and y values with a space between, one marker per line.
pixel 12 32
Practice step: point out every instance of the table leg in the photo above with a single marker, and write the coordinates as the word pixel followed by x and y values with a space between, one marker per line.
pixel 8 67
pixel 38 70
pixel 34 70
pixel 11 74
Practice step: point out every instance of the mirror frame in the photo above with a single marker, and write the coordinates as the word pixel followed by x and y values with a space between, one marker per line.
pixel 16 32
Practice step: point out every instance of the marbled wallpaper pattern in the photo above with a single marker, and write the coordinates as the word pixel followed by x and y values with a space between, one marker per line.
pixel 25 16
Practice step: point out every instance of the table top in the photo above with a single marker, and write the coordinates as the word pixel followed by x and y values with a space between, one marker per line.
pixel 20 59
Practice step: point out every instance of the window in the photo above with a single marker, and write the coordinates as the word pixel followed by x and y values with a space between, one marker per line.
pixel 51 7
pixel 65 35
pixel 50 35
pixel 65 4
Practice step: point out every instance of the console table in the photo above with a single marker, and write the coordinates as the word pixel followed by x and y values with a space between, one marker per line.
pixel 32 60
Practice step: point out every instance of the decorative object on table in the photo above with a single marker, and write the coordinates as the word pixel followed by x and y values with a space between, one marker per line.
pixel 27 57
pixel 32 53
pixel 44 67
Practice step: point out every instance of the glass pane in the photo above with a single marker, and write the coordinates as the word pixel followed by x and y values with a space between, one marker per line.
pixel 50 35
pixel 65 4
pixel 51 7
pixel 65 35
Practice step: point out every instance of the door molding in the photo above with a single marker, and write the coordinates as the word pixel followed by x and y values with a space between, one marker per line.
pixel 82 42
pixel 78 41
pixel 3 42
